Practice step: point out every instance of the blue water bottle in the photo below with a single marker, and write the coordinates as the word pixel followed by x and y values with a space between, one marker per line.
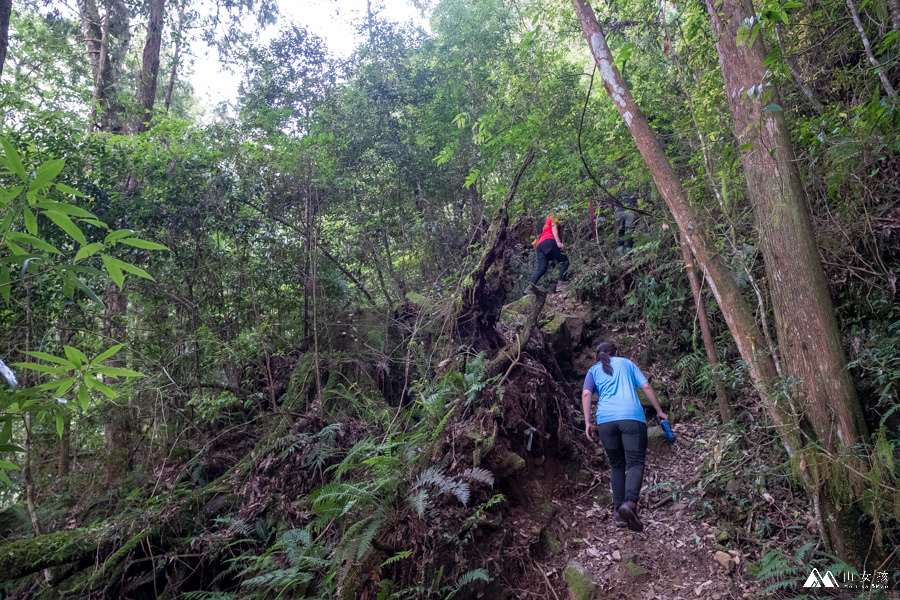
pixel 667 430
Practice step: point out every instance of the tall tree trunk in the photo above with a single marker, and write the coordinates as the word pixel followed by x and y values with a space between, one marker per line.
pixel 705 332
pixel 808 335
pixel 118 428
pixel 93 34
pixel 747 336
pixel 5 13
pixel 150 68
pixel 106 41
pixel 175 58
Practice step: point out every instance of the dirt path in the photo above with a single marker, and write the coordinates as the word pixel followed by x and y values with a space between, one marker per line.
pixel 676 557
pixel 673 558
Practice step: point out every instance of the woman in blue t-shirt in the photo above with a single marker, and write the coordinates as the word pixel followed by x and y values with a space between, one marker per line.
pixel 622 426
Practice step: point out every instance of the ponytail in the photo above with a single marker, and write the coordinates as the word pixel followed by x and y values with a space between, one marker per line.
pixel 605 351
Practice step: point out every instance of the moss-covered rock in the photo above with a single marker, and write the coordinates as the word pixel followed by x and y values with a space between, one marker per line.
pixel 14 521
pixel 645 401
pixel 581 585
pixel 656 440
pixel 551 544
pixel 507 464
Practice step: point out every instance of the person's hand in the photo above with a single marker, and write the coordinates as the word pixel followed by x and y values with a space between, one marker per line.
pixel 560 245
pixel 662 416
pixel 589 431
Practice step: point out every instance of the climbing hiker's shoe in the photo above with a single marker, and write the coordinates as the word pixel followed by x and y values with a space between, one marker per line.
pixel 620 522
pixel 628 512
pixel 560 287
pixel 527 292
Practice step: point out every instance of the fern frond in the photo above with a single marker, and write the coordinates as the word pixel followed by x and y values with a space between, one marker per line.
pixel 480 475
pixel 469 578
pixel 368 534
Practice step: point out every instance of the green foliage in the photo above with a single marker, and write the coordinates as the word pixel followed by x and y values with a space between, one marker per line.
pixel 783 572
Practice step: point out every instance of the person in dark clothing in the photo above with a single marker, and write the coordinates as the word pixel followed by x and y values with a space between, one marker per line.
pixel 625 221
pixel 549 247
pixel 621 425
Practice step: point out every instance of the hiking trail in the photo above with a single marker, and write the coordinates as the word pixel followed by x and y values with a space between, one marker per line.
pixel 564 512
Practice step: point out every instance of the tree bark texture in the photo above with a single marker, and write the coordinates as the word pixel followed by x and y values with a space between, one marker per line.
pixel 705 332
pixel 5 13
pixel 107 42
pixel 93 34
pixel 808 336
pixel 118 428
pixel 150 68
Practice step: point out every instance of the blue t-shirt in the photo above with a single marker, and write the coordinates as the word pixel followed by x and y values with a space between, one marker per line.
pixel 618 398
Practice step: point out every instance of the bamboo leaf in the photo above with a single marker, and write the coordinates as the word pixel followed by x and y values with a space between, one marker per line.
pixel 107 354
pixel 38 243
pixel 87 291
pixel 68 209
pixel 145 244
pixel 46 173
pixel 30 221
pixel 15 163
pixel 117 372
pixel 75 355
pixel 88 250
pixel 66 224
pixel 117 235
pixel 50 358
pixel 113 269
pixel 83 398
pixel 5 464
pixel 69 190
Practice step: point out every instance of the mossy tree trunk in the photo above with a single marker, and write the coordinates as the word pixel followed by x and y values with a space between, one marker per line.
pixel 808 336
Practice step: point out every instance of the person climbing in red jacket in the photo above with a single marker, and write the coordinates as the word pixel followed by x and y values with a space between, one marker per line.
pixel 549 247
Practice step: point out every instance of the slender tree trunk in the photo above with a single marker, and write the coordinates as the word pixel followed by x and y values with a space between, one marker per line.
pixel 150 68
pixel 65 447
pixel 706 333
pixel 118 428
pixel 27 472
pixel 808 335
pixel 868 49
pixel 5 13
pixel 175 58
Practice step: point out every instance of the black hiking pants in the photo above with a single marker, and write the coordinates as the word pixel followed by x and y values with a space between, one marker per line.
pixel 625 443
pixel 547 251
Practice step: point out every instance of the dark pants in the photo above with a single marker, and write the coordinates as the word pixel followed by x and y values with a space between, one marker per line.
pixel 625 443
pixel 625 224
pixel 547 251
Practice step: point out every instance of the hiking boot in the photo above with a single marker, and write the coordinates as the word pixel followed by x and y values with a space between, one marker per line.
pixel 628 512
pixel 620 522
pixel 527 292
pixel 560 287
